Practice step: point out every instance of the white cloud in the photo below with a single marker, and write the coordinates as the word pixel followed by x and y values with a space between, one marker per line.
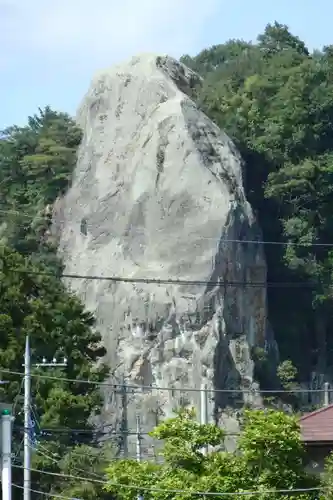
pixel 100 31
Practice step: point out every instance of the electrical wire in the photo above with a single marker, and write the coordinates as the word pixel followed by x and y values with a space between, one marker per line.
pixel 139 388
pixel 111 433
pixel 100 480
pixel 35 416
pixel 17 397
pixel 18 451
pixel 56 459
pixel 160 281
pixel 162 490
pixel 221 240
pixel 56 432
pixel 169 281
pixel 83 455
pixel 50 495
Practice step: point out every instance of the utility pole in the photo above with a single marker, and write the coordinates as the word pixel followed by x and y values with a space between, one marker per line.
pixel 27 397
pixel 326 394
pixel 204 410
pixel 27 413
pixel 138 446
pixel 124 419
pixel 138 439
pixel 6 472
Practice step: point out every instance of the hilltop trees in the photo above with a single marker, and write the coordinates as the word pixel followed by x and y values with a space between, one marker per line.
pixel 275 100
pixel 36 164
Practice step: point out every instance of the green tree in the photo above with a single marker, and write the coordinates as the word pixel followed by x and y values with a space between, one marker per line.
pixel 287 374
pixel 36 166
pixel 37 305
pixel 83 462
pixel 327 479
pixel 306 189
pixel 271 458
pixel 274 99
pixel 277 38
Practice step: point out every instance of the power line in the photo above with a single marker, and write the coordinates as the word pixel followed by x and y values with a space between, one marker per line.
pixel 56 461
pixel 17 397
pixel 58 430
pixel 170 281
pixel 18 452
pixel 110 433
pixel 139 388
pixel 50 495
pixel 221 240
pixel 162 490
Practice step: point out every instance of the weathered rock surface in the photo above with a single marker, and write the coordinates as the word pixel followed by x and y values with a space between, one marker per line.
pixel 158 195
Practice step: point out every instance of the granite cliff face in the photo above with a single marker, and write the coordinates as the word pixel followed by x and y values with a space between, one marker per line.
pixel 157 195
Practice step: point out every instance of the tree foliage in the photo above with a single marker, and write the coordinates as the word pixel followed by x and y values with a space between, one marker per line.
pixel 36 164
pixel 327 478
pixel 271 458
pixel 274 99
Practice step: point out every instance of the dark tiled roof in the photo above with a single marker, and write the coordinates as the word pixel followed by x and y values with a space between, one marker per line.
pixel 317 426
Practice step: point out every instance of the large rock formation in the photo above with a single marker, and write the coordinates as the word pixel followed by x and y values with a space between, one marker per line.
pixel 158 195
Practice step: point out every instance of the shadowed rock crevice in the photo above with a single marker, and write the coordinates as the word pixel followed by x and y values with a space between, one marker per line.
pixel 163 130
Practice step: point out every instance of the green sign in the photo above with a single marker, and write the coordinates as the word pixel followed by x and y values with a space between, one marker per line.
pixel 6 409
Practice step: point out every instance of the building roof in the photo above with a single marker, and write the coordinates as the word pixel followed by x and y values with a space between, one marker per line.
pixel 317 426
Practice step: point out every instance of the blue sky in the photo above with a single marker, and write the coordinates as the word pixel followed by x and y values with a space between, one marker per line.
pixel 51 48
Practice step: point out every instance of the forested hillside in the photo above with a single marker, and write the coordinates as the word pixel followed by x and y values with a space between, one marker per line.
pixel 36 164
pixel 275 99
